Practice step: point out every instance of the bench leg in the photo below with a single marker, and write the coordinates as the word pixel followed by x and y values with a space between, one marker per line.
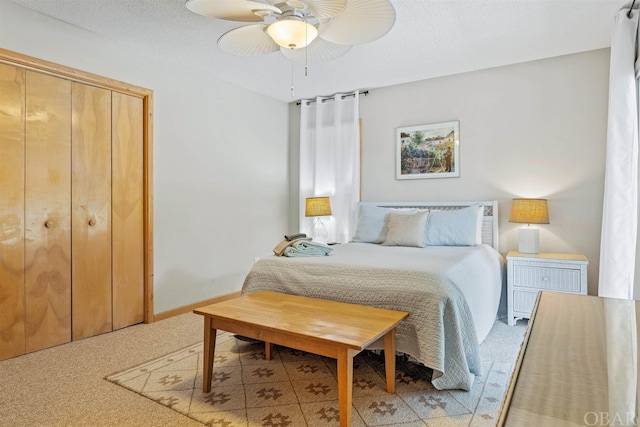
pixel 209 350
pixel 345 385
pixel 390 359
pixel 268 347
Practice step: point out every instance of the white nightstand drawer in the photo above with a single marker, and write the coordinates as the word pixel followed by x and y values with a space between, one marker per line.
pixel 523 301
pixel 560 279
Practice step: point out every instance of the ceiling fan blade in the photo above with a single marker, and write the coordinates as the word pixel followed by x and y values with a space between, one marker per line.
pixel 361 22
pixel 248 40
pixel 318 51
pixel 232 10
pixel 322 9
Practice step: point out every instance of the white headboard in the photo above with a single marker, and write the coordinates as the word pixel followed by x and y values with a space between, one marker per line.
pixel 489 225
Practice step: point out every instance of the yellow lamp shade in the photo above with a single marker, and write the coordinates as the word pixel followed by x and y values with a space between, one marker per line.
pixel 529 211
pixel 317 206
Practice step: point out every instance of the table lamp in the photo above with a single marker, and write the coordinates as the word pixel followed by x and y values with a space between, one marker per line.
pixel 529 211
pixel 318 207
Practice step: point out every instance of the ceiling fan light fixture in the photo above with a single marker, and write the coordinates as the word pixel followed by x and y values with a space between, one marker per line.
pixel 292 33
pixel 305 31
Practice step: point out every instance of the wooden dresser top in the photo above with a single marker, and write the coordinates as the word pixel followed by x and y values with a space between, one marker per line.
pixel 578 364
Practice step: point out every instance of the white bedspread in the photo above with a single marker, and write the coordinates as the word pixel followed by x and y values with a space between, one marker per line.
pixel 451 293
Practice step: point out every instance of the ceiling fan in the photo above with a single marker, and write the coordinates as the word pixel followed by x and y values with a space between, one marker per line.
pixel 326 28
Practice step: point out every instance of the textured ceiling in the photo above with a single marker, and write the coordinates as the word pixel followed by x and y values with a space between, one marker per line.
pixel 431 38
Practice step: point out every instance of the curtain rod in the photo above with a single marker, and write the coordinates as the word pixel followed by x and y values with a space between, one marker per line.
pixel 332 97
pixel 629 14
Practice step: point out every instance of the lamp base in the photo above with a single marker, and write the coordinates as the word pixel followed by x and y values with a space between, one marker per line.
pixel 319 232
pixel 529 240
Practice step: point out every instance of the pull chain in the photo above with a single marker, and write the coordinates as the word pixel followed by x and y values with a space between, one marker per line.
pixel 306 57
pixel 306 45
pixel 292 94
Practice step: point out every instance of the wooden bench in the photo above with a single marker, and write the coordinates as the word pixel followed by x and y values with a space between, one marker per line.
pixel 328 328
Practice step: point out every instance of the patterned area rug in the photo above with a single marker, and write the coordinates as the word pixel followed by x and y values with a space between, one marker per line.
pixel 300 389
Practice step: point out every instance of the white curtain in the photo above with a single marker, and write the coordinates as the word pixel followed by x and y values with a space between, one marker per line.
pixel 330 161
pixel 620 208
pixel 621 339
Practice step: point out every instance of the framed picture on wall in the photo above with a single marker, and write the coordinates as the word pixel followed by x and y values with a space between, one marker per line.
pixel 428 151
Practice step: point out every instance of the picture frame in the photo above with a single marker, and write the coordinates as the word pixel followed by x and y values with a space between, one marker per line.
pixel 428 151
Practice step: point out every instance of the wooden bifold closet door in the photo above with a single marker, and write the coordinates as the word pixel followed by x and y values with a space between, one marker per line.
pixel 75 214
pixel 47 211
pixel 12 116
pixel 128 211
pixel 91 206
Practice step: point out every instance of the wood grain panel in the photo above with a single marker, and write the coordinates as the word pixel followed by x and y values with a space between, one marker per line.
pixel 12 113
pixel 48 211
pixel 91 211
pixel 127 210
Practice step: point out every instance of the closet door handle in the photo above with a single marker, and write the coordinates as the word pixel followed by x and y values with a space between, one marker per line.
pixel 48 224
pixel 92 222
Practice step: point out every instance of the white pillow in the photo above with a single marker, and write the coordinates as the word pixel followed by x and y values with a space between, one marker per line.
pixel 458 227
pixel 406 230
pixel 372 223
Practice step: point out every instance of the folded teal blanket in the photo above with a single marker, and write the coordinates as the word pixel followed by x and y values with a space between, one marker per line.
pixel 307 248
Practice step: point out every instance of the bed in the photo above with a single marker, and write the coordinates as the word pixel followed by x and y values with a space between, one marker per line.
pixel 451 287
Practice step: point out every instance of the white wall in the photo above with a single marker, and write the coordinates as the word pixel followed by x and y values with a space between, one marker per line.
pixel 535 129
pixel 220 158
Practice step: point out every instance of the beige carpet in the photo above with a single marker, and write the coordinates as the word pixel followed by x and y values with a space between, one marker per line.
pixel 300 389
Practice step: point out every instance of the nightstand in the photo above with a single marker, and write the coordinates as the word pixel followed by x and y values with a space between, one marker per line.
pixel 529 273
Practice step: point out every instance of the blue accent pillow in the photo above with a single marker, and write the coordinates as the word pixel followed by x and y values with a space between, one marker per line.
pixel 457 227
